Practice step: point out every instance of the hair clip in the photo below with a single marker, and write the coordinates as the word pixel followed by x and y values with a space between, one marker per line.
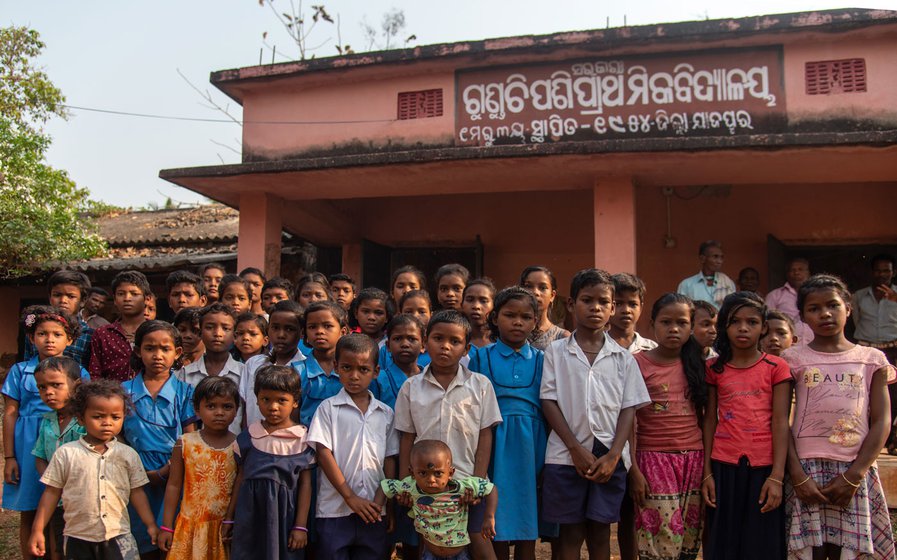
pixel 30 320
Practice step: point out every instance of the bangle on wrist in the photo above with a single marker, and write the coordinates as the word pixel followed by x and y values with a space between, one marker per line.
pixel 166 529
pixel 10 457
pixel 298 528
pixel 776 480
pixel 847 480
pixel 706 478
pixel 801 482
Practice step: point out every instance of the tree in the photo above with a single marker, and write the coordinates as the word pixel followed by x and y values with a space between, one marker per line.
pixel 45 215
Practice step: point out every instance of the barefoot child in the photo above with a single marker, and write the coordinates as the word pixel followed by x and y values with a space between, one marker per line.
pixel 96 476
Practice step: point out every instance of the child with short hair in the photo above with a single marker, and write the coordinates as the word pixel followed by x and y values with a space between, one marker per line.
pixel 591 388
pixel 780 334
pixel 96 476
pixel 93 305
pixel 185 289
pixel 50 330
pixel 275 289
pixel 450 281
pixel 202 475
pixel 216 323
pixel 417 303
pixel 404 342
pixel 629 300
pixel 250 336
pixel 162 411
pixel 112 344
pixel 149 307
pixel 406 279
pixel 284 332
pixel 187 323
pixel 834 505
pixel 369 313
pixel 57 379
pixel 256 279
pixel 356 447
pixel 542 283
pixel 440 513
pixel 745 437
pixel 67 289
pixel 324 322
pixel 342 288
pixel 236 293
pixel 211 274
pixel 705 330
pixel 311 288
pixel 476 304
pixel 453 404
pixel 269 509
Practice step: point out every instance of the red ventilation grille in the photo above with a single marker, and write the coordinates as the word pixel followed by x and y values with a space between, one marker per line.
pixel 836 76
pixel 420 104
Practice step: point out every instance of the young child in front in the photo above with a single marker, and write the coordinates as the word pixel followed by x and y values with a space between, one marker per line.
pixel 542 283
pixel 450 281
pixel 57 378
pixel 665 476
pixel 370 312
pixel 250 336
pixel 97 476
pixel 274 290
pixel 476 304
pixel 356 447
pixel 629 300
pixel 406 279
pixel 272 495
pixel 342 288
pixel 284 331
pixel 745 437
pixel 404 341
pixel 705 329
pixel 440 514
pixel 236 293
pixel 50 330
pixel 202 475
pixel 515 370
pixel 162 411
pixel 450 403
pixel 324 322
pixel 779 333
pixel 590 390
pixel 187 323
pixel 112 345
pixel 216 323
pixel 835 506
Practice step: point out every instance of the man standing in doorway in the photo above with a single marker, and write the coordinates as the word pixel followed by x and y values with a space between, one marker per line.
pixel 874 311
pixel 784 299
pixel 710 284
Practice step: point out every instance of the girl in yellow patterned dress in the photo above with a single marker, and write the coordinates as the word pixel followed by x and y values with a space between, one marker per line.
pixel 204 469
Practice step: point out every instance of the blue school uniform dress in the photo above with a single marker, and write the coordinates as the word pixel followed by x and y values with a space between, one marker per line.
pixel 152 428
pixel 316 387
pixel 21 387
pixel 386 387
pixel 519 449
pixel 384 359
pixel 304 348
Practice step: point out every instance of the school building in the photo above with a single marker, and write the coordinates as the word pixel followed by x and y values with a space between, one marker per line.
pixel 621 148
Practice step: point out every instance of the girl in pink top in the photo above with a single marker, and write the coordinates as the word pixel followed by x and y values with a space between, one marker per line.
pixel 835 504
pixel 745 437
pixel 665 478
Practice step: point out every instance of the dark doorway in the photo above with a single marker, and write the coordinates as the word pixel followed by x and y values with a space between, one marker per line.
pixel 378 261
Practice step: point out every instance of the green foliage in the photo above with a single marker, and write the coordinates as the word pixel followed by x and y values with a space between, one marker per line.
pixel 44 212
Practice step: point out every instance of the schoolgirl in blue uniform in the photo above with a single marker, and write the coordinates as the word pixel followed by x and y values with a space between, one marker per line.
pixel 162 410
pixel 404 340
pixel 515 369
pixel 323 322
pixel 50 330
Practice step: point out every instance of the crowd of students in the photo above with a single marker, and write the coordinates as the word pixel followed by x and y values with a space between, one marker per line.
pixel 323 421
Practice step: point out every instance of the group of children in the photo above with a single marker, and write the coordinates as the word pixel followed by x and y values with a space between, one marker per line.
pixel 466 427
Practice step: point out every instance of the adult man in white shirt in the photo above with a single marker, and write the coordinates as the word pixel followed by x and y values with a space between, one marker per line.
pixel 709 284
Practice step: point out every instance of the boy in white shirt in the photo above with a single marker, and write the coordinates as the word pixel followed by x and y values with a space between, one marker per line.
pixel 591 387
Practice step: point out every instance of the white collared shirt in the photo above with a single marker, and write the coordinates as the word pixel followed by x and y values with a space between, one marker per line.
pixel 641 344
pixel 96 488
pixel 875 319
pixel 590 396
pixel 454 415
pixel 247 383
pixel 194 372
pixel 360 443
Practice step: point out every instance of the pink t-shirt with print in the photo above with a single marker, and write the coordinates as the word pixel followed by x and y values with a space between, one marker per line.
pixel 831 414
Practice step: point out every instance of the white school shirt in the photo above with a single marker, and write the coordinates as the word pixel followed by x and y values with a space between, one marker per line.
pixel 360 443
pixel 247 383
pixel 194 372
pixel 641 344
pixel 590 396
pixel 454 415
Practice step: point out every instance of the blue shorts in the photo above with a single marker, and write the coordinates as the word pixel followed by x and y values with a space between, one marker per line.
pixel 569 498
pixel 342 538
pixel 475 517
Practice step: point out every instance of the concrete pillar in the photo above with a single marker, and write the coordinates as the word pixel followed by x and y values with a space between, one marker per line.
pixel 261 225
pixel 352 256
pixel 614 200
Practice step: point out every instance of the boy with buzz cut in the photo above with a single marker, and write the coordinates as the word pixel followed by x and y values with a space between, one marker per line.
pixel 217 323
pixel 274 290
pixel 591 387
pixel 185 289
pixel 67 289
pixel 629 301
pixel 357 446
pixel 112 344
pixel 450 403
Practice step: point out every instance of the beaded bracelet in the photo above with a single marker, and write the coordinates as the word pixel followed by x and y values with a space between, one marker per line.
pixel 847 480
pixel 776 480
pixel 166 529
pixel 303 529
pixel 801 482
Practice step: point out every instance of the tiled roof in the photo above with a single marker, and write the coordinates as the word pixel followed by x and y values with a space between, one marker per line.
pixel 212 223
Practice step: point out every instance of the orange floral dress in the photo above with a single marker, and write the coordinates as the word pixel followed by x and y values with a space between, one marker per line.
pixel 209 475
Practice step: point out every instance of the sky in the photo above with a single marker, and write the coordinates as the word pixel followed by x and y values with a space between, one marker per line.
pixel 124 56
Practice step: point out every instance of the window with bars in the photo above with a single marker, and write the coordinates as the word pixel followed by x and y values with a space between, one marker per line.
pixel 420 104
pixel 835 76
